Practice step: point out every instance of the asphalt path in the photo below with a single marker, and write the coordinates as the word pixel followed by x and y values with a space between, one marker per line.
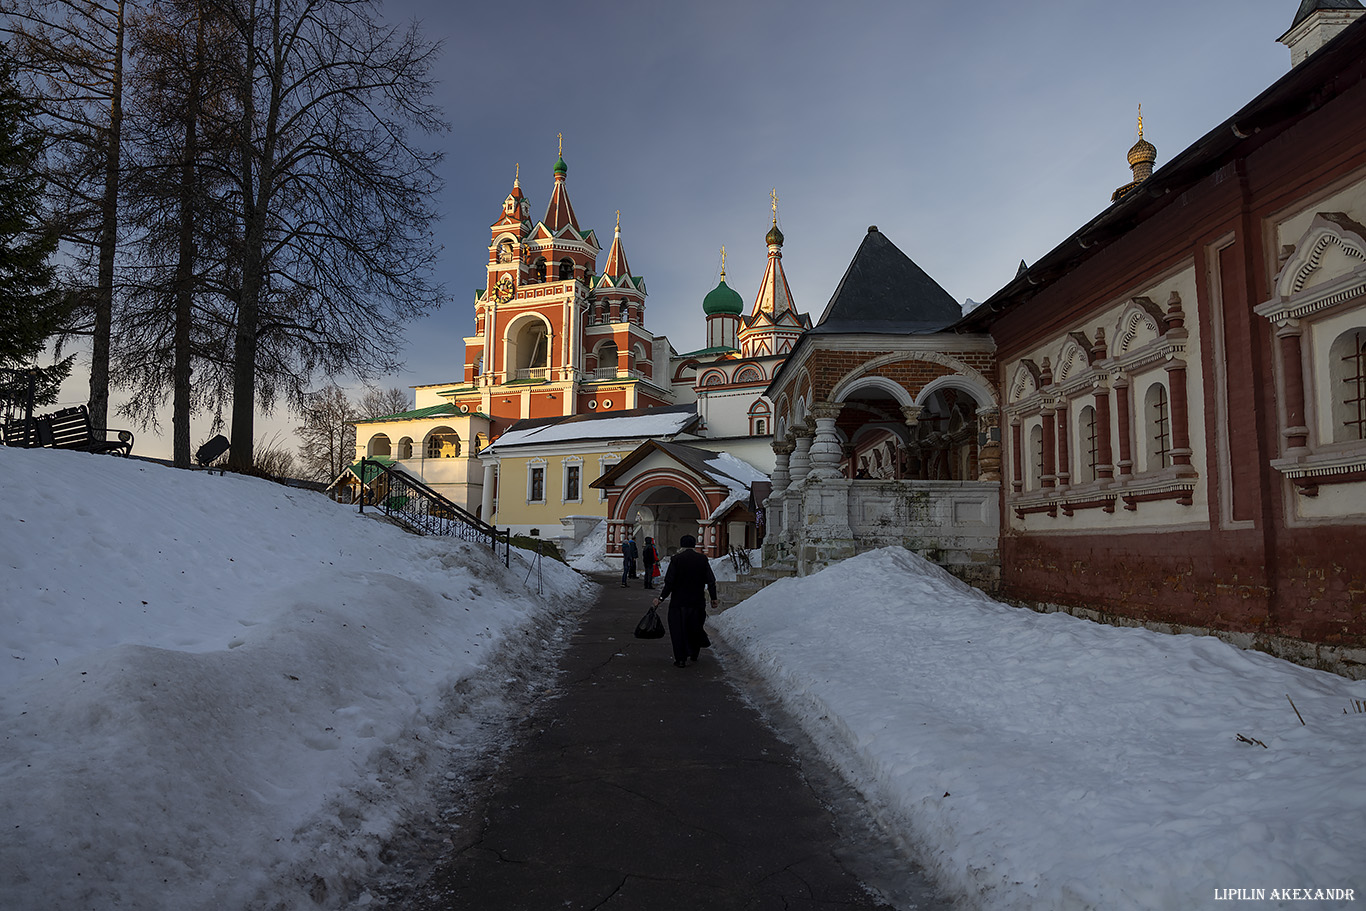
pixel 639 785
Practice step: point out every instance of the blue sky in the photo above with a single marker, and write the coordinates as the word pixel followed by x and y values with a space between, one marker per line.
pixel 973 134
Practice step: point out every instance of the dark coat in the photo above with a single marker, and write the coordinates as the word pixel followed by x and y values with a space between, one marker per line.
pixel 689 579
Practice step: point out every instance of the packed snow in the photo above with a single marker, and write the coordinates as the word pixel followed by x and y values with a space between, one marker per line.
pixel 1044 761
pixel 221 693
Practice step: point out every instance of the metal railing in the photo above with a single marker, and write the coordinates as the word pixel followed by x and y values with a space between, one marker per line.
pixel 533 373
pixel 405 499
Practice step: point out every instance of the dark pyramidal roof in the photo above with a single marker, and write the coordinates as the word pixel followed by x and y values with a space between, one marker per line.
pixel 1310 6
pixel 884 291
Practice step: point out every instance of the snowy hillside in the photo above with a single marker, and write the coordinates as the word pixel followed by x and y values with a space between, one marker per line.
pixel 1044 762
pixel 216 692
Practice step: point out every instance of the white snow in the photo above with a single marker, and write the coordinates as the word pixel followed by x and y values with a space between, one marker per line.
pixel 590 554
pixel 633 427
pixel 217 693
pixel 1044 761
pixel 221 693
pixel 738 476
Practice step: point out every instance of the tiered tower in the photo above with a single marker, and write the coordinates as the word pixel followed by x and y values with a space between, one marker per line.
pixel 773 324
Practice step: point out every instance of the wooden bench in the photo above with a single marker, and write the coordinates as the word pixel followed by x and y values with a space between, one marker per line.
pixel 66 429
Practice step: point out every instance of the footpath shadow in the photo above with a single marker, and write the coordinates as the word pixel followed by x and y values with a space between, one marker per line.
pixel 645 786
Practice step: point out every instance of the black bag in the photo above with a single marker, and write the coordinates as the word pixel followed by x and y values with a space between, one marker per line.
pixel 650 626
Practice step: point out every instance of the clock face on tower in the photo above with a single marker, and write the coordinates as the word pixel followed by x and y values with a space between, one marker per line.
pixel 502 292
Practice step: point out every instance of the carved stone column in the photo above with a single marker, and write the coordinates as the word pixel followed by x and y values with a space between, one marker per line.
pixel 1047 477
pixel 1016 456
pixel 1105 466
pixel 1292 362
pixel 1126 462
pixel 825 446
pixel 486 496
pixel 988 445
pixel 782 450
pixel 1181 436
pixel 800 463
pixel 1064 463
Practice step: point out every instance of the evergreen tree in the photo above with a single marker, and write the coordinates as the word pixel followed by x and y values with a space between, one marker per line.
pixel 31 309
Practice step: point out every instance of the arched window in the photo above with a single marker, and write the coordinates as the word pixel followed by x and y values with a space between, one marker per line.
pixel 505 251
pixel 405 448
pixel 1159 427
pixel 1089 447
pixel 759 419
pixel 443 443
pixel 715 378
pixel 749 375
pixel 1347 368
pixel 540 269
pixel 566 269
pixel 1035 480
pixel 379 446
pixel 607 359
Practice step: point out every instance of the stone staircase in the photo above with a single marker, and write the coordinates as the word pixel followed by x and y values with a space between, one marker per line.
pixel 753 582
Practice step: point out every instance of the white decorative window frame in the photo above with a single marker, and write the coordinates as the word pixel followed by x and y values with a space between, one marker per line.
pixel 573 462
pixel 532 466
pixel 1306 319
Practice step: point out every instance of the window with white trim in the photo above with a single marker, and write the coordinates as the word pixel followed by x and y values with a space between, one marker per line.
pixel 1158 427
pixel 535 483
pixel 1347 370
pixel 1035 479
pixel 572 481
pixel 1089 450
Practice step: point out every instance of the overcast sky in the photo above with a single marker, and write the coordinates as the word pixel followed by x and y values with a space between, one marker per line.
pixel 973 135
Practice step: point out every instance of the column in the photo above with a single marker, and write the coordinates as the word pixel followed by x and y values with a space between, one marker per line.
pixel 1016 456
pixel 1126 462
pixel 1181 436
pixel 1047 475
pixel 800 463
pixel 486 500
pixel 825 445
pixel 912 415
pixel 988 445
pixel 782 451
pixel 1292 363
pixel 1105 467
pixel 1064 466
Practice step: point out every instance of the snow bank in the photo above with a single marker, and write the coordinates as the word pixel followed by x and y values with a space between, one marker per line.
pixel 1042 761
pixel 222 693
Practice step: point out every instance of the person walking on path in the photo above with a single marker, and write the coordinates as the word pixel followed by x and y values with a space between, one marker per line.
pixel 628 559
pixel 688 576
pixel 649 556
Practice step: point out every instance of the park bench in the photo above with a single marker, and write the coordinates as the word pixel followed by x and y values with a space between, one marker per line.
pixel 68 428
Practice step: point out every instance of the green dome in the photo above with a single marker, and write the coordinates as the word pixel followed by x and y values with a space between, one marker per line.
pixel 561 167
pixel 774 236
pixel 722 299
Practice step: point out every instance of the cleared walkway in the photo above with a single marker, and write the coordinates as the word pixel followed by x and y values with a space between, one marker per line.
pixel 645 786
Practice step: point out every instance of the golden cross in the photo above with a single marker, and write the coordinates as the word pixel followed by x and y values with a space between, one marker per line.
pixel 518 175
pixel 723 262
pixel 1140 121
pixel 560 136
pixel 774 194
pixel 618 221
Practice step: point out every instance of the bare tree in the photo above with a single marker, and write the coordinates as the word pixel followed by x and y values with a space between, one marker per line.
pixel 172 319
pixel 381 403
pixel 336 243
pixel 327 438
pixel 72 54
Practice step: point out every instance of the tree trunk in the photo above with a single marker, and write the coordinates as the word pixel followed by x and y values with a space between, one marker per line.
pixel 185 264
pixel 109 217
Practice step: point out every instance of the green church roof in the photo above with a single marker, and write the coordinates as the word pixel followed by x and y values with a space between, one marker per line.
pixel 722 299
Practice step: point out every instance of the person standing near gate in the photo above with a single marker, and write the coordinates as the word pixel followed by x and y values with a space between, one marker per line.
pixel 628 559
pixel 689 579
pixel 649 556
